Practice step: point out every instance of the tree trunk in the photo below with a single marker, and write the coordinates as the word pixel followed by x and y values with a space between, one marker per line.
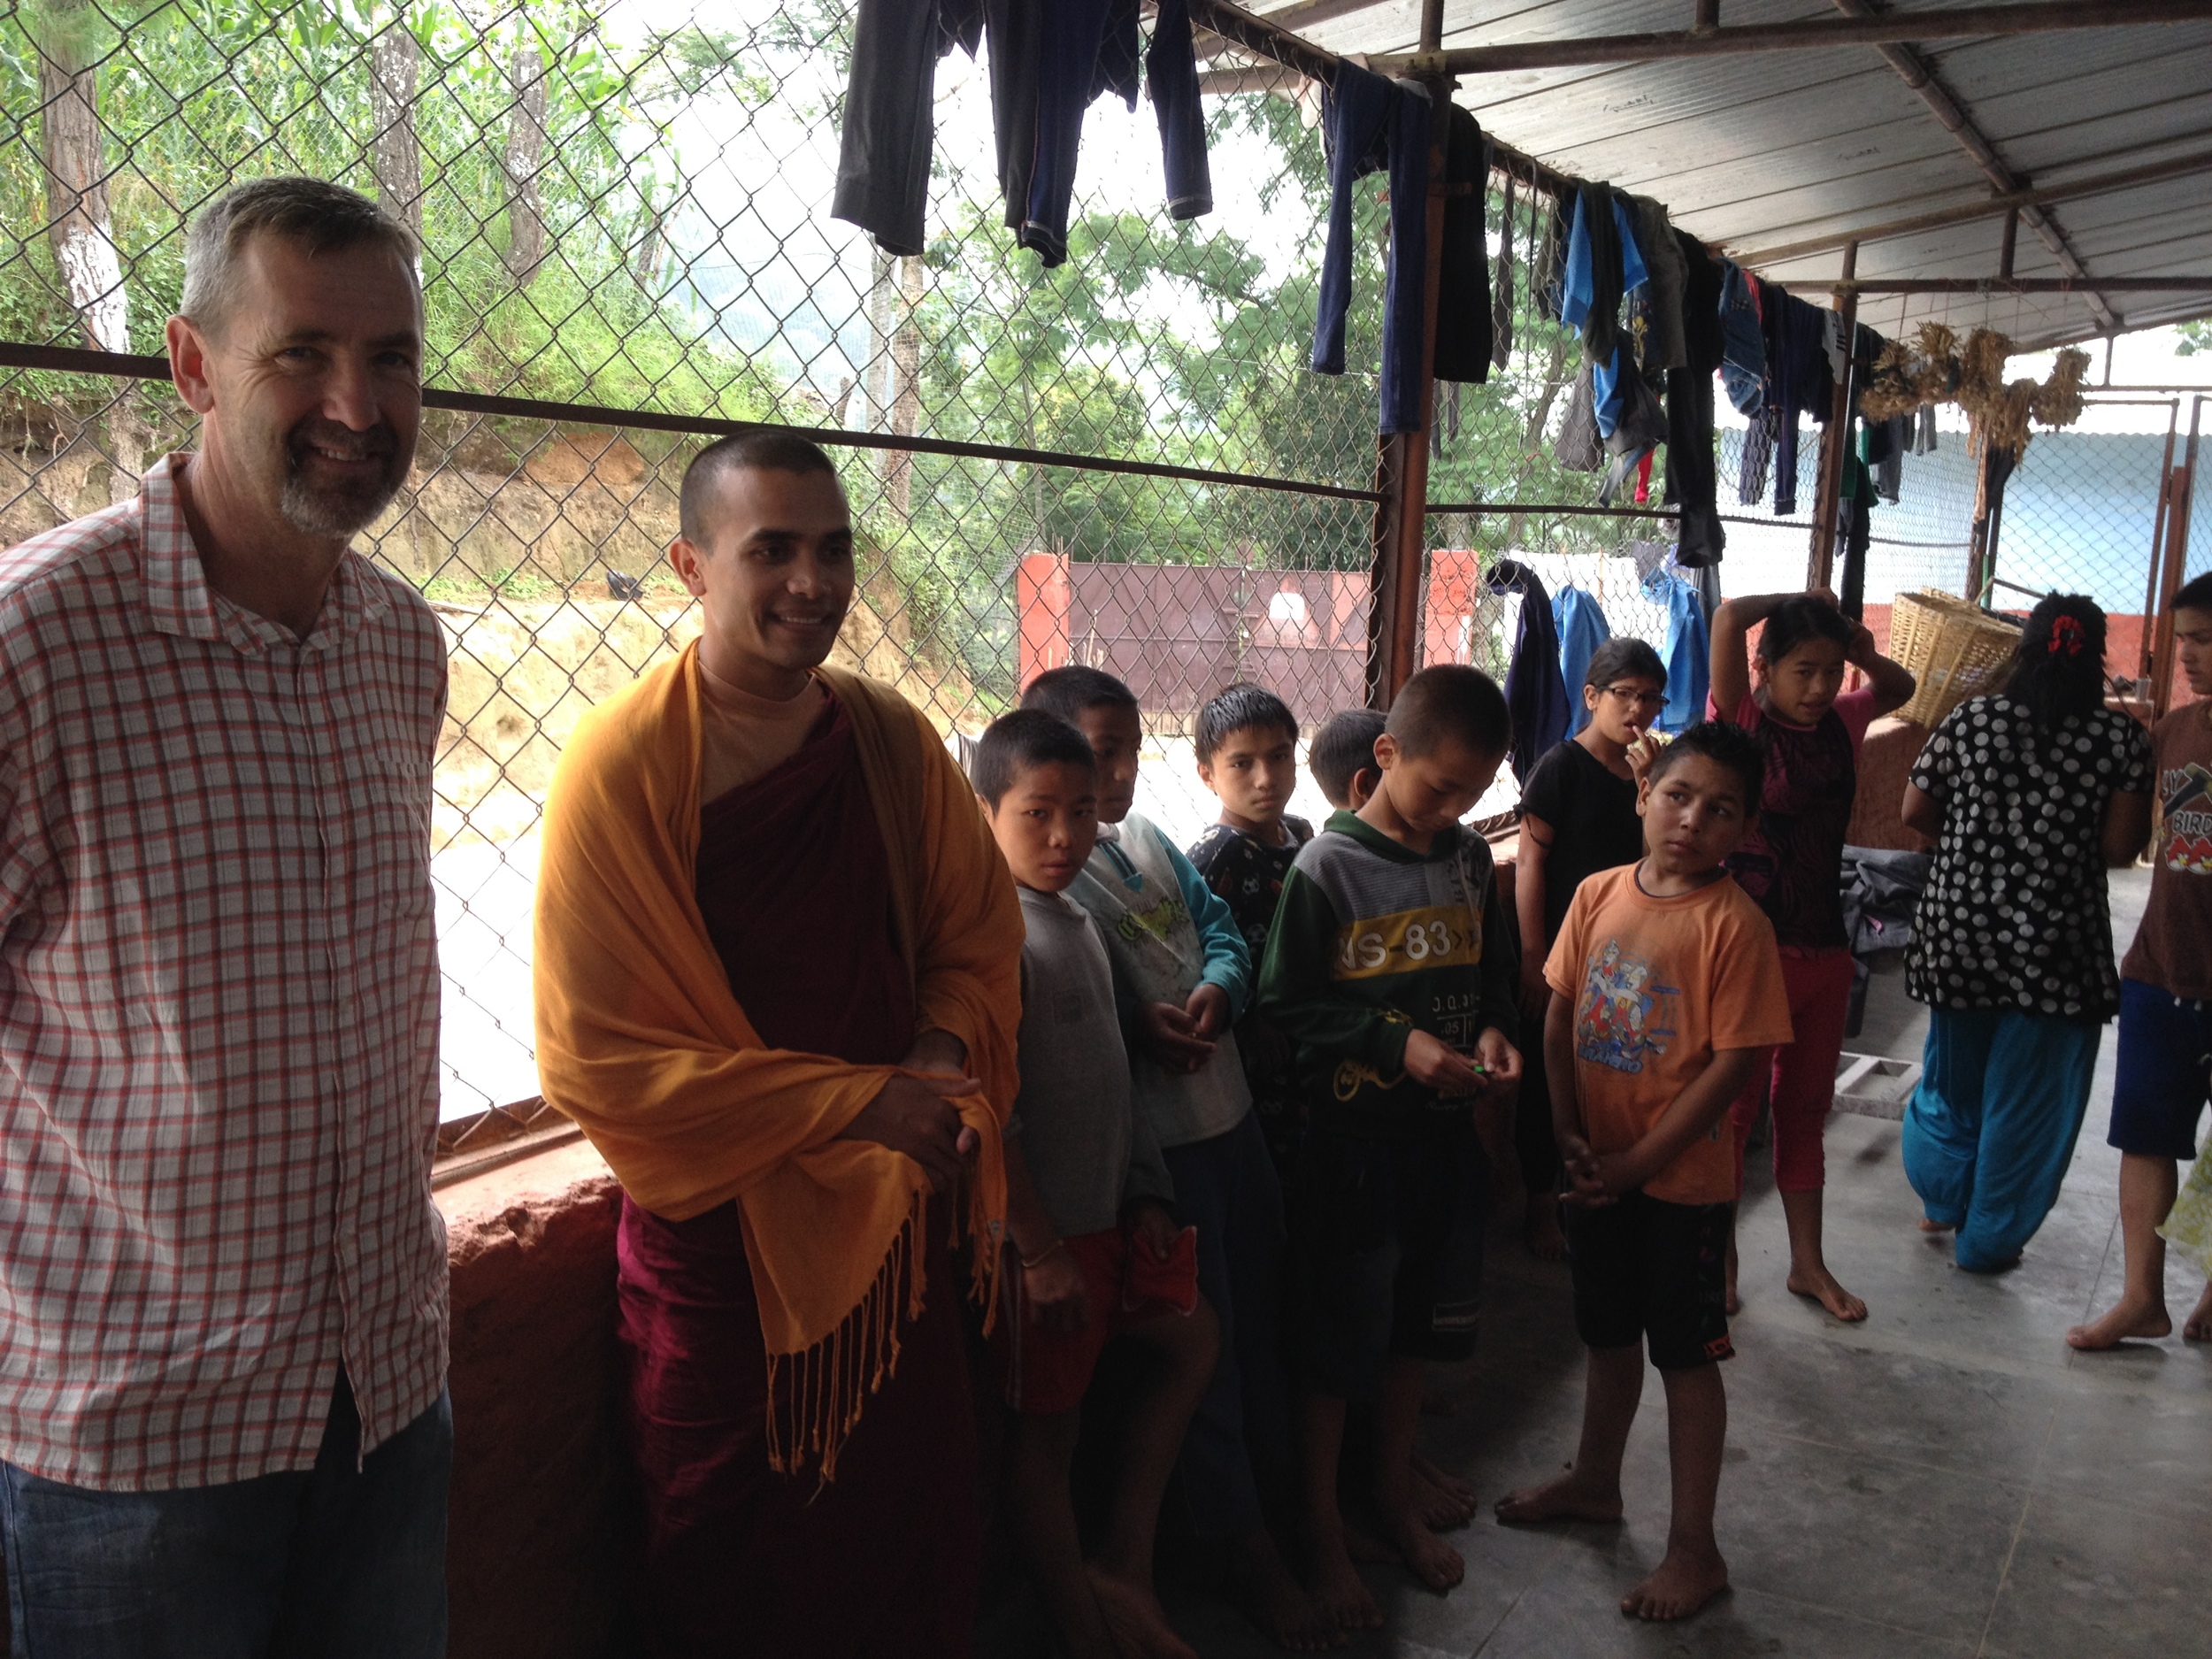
pixel 906 404
pixel 524 156
pixel 394 72
pixel 1532 431
pixel 647 268
pixel 883 308
pixel 81 233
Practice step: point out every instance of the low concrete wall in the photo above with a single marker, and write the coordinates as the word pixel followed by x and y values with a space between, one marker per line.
pixel 540 1540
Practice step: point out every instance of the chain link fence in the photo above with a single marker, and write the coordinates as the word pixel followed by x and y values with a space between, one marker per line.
pixel 627 210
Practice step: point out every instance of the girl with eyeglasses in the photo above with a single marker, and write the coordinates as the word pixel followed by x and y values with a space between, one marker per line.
pixel 1577 817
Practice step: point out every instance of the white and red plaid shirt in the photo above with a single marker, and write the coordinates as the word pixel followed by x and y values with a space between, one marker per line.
pixel 219 1010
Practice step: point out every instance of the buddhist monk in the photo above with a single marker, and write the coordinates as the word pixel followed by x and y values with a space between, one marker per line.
pixel 776 981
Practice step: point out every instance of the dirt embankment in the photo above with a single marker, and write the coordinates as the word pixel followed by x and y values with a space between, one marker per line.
pixel 515 552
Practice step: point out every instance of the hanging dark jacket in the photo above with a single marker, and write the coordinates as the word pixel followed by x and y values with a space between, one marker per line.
pixel 1463 298
pixel 1692 482
pixel 1535 694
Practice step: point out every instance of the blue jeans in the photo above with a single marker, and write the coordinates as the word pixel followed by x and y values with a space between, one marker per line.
pixel 1991 1127
pixel 1227 1189
pixel 332 1561
pixel 1374 122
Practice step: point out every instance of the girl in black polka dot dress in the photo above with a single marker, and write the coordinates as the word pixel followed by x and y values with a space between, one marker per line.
pixel 2031 792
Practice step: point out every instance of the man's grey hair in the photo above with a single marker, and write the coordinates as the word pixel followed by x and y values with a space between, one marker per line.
pixel 314 214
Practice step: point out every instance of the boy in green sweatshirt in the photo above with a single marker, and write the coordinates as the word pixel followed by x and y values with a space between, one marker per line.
pixel 1391 961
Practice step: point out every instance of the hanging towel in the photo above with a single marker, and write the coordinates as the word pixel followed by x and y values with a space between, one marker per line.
pixel 1582 627
pixel 1688 653
pixel 1534 693
pixel 1502 313
pixel 1463 299
pixel 1372 123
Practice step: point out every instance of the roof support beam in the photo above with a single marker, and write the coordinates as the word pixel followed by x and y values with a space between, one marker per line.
pixel 2024 285
pixel 1992 207
pixel 1819 33
pixel 1928 86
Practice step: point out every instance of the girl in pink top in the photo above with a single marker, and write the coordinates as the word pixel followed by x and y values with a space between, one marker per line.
pixel 1788 692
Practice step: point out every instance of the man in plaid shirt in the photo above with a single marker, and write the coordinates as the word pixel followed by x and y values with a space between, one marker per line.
pixel 223 1421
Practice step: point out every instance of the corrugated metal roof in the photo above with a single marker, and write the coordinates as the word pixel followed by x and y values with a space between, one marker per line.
pixel 1776 147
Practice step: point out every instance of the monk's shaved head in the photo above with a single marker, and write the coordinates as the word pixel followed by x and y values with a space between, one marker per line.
pixel 747 451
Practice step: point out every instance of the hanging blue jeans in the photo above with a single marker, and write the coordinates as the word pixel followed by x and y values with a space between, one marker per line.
pixel 1991 1127
pixel 1373 123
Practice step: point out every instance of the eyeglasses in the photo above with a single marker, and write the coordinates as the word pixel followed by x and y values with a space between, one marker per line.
pixel 1636 699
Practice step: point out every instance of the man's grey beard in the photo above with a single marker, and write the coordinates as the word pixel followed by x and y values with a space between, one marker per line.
pixel 337 512
pixel 341 510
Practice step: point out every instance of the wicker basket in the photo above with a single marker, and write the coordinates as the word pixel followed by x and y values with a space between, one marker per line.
pixel 1954 649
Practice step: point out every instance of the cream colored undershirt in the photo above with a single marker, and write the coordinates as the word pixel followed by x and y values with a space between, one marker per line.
pixel 743 736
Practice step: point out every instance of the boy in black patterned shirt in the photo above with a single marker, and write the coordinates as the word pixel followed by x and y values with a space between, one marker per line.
pixel 1247 740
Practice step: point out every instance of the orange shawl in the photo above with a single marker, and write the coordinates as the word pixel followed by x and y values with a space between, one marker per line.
pixel 641 1042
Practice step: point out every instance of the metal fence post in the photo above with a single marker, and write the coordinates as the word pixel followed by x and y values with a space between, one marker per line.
pixel 1827 500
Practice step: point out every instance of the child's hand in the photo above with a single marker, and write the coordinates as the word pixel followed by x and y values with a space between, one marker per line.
pixel 1860 653
pixel 1585 1185
pixel 1433 1060
pixel 1154 1227
pixel 1058 1295
pixel 1501 1061
pixel 1169 1035
pixel 1642 753
pixel 1209 1008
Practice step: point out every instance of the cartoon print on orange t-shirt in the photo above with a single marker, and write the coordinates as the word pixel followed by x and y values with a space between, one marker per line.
pixel 1620 998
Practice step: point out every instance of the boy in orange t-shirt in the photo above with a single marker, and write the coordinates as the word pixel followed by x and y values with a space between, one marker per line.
pixel 1666 987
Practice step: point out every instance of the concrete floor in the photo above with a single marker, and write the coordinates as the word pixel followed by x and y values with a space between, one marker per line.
pixel 1946 1478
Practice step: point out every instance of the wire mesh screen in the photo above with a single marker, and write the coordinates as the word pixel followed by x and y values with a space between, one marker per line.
pixel 2081 516
pixel 629 210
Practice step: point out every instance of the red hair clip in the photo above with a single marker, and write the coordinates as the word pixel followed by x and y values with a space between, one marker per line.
pixel 2067 635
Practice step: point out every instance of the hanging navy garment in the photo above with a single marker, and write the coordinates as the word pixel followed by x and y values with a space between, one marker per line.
pixel 1582 627
pixel 1799 381
pixel 1093 47
pixel 1535 693
pixel 1372 123
pixel 1743 370
pixel 1693 480
pixel 1463 298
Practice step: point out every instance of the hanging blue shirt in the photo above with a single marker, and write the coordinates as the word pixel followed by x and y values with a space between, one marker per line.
pixel 1580 293
pixel 1689 649
pixel 1582 627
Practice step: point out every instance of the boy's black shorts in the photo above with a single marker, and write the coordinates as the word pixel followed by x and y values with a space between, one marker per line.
pixel 1387 1249
pixel 1648 1270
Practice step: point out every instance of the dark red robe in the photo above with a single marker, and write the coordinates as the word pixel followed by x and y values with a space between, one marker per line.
pixel 739 1560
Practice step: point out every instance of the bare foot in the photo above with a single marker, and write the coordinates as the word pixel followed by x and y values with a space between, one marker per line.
pixel 1272 1600
pixel 2126 1319
pixel 2198 1328
pixel 1565 1499
pixel 1929 1224
pixel 1364 1547
pixel 1339 1591
pixel 1820 1284
pixel 1135 1619
pixel 1684 1583
pixel 1541 1233
pixel 1429 1559
pixel 1445 1501
pixel 1734 1303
